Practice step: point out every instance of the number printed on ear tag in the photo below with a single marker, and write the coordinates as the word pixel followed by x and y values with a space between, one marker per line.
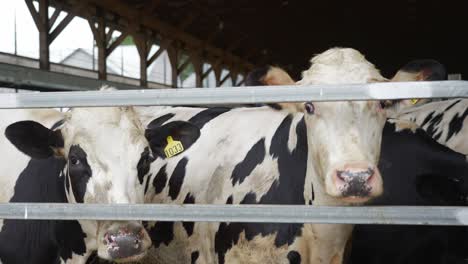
pixel 173 147
pixel 414 101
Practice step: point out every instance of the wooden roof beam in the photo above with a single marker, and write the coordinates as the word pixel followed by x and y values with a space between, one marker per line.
pixel 148 21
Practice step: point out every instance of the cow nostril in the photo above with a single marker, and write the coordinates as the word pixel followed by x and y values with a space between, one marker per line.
pixel 339 175
pixel 370 172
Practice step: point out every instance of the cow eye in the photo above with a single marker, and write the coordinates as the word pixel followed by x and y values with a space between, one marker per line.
pixel 74 160
pixel 310 108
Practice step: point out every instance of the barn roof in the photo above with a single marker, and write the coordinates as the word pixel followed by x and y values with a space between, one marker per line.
pixel 288 33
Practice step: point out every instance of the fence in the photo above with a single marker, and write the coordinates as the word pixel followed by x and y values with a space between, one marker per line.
pixel 414 215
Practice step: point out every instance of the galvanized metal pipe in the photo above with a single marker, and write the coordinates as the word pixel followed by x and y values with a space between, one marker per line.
pixel 403 215
pixel 239 95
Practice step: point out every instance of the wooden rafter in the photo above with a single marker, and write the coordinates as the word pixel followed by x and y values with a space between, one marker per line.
pixel 54 17
pixel 60 27
pixel 116 42
pixel 148 20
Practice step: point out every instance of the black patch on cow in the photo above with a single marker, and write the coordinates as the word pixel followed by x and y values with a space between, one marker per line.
pixel 289 189
pixel 256 77
pixel 452 105
pixel 456 124
pixel 313 193
pixel 40 241
pixel 177 178
pixel 58 124
pixel 254 157
pixel 160 120
pixel 147 182
pixel 80 172
pixel 437 136
pixel 436 190
pixel 162 232
pixel 207 115
pixel 416 171
pixel 70 235
pixel 249 198
pixel 427 119
pixel 159 181
pixel 229 200
pixel 433 123
pixel 188 226
pixel 34 139
pixel 185 132
pixel 194 257
pixel 67 181
pixel 294 257
pixel 144 164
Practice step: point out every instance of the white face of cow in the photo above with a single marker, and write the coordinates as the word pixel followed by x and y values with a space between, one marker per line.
pixel 344 145
pixel 344 137
pixel 105 150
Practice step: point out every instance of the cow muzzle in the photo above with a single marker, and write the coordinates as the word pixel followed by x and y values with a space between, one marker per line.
pixel 124 243
pixel 355 183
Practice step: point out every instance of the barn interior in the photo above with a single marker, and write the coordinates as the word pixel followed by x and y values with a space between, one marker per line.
pixel 239 35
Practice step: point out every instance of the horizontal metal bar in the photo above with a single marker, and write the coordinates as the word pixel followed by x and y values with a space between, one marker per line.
pixel 238 95
pixel 404 215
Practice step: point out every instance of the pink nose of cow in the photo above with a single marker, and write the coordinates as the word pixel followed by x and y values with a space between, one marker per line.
pixel 127 243
pixel 358 182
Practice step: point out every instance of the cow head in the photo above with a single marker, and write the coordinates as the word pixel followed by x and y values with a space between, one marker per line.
pixel 343 137
pixel 107 158
pixel 416 70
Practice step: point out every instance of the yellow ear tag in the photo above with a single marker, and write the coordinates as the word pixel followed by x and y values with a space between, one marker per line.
pixel 173 147
pixel 414 101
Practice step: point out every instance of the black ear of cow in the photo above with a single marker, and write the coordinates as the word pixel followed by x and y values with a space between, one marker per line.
pixel 185 132
pixel 428 70
pixel 256 76
pixel 34 139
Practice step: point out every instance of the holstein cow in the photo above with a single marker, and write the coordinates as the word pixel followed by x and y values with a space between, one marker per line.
pixel 310 153
pixel 416 171
pixel 445 121
pixel 91 155
pixel 416 70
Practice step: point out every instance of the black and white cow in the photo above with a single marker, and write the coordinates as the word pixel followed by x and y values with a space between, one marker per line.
pixel 416 171
pixel 310 153
pixel 92 155
pixel 445 121
pixel 416 70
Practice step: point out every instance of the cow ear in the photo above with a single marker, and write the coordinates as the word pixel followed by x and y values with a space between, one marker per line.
pixel 34 139
pixel 172 138
pixel 268 75
pixel 421 70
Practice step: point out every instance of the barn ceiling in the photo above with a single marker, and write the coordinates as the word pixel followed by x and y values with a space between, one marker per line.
pixel 288 33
